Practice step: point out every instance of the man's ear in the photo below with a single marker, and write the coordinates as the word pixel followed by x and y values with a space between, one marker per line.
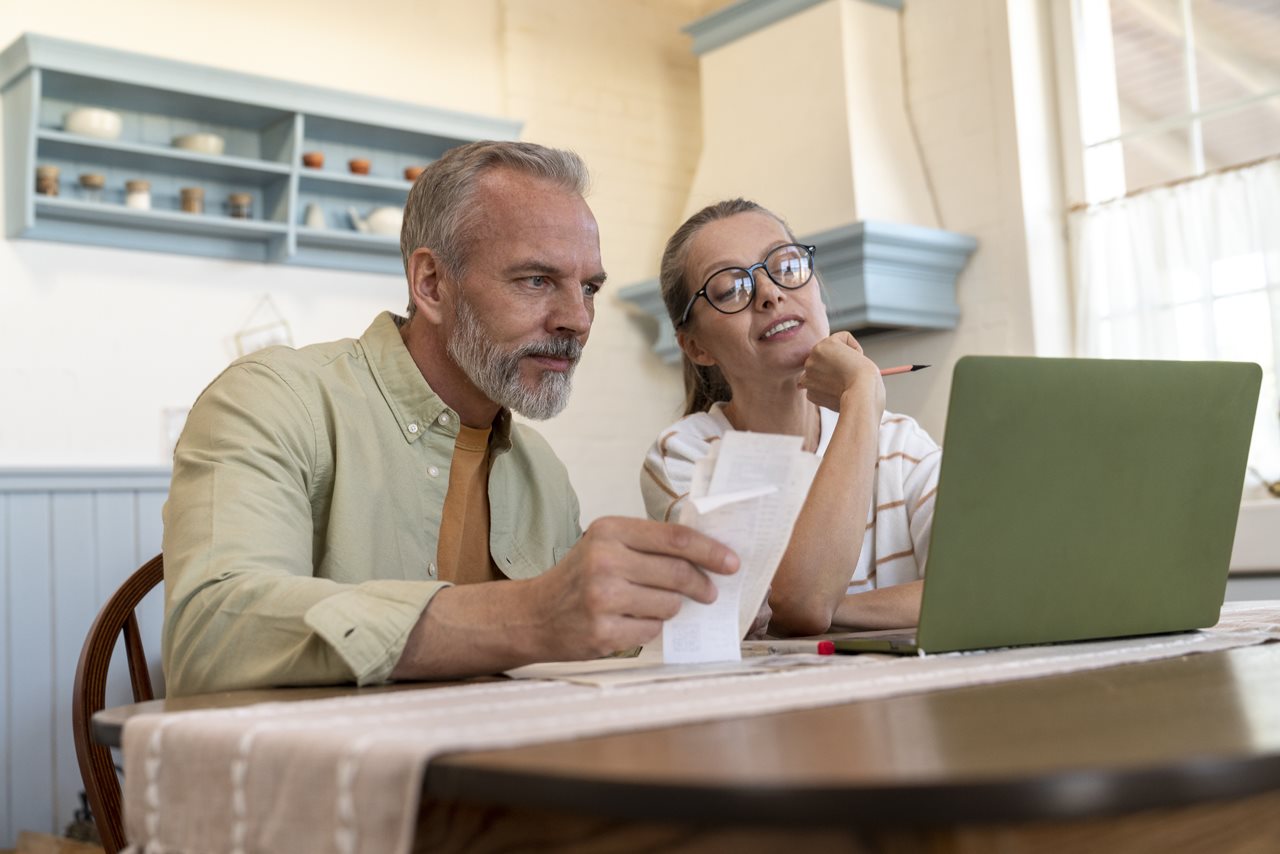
pixel 426 288
pixel 693 350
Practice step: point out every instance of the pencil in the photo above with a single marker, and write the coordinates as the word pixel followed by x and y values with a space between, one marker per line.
pixel 902 369
pixel 786 647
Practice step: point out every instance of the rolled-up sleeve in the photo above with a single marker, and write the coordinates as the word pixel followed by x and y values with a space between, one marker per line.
pixel 242 605
pixel 667 472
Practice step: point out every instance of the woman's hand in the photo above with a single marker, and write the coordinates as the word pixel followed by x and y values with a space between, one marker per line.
pixel 760 625
pixel 838 372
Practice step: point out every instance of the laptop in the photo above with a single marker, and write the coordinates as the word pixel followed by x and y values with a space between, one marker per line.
pixel 1081 499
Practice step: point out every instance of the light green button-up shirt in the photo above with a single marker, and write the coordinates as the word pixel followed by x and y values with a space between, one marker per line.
pixel 300 531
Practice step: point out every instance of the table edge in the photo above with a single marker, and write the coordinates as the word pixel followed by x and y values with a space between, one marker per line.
pixel 1069 794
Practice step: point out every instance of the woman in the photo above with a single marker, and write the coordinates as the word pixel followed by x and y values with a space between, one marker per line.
pixel 758 355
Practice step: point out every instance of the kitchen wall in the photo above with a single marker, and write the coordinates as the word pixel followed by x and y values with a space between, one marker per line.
pixel 98 343
pixel 980 94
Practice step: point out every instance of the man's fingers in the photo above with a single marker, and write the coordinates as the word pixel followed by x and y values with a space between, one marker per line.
pixel 649 603
pixel 633 631
pixel 671 574
pixel 668 540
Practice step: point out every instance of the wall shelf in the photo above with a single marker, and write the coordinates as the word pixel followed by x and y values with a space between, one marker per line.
pixel 267 125
pixel 321 178
pixel 100 224
pixel 68 145
pixel 347 240
pixel 168 221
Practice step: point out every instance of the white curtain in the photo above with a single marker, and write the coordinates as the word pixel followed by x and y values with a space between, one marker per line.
pixel 1188 272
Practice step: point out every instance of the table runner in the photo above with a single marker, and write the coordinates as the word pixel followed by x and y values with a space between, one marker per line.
pixel 345 774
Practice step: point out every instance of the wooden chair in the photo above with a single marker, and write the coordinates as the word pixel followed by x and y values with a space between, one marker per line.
pixel 101 784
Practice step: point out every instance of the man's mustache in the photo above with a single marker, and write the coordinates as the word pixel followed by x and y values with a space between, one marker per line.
pixel 555 348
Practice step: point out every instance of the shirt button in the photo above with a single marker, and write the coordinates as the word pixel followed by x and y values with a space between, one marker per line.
pixel 433 471
pixel 431 570
pixel 413 428
pixel 444 418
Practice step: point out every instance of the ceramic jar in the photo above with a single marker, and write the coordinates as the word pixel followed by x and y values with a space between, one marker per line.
pixel 137 195
pixel 240 205
pixel 47 180
pixel 314 216
pixel 191 199
pixel 91 184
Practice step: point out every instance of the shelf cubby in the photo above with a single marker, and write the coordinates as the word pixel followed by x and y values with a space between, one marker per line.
pixel 266 125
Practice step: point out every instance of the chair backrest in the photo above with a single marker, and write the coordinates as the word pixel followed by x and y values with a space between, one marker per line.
pixel 101 784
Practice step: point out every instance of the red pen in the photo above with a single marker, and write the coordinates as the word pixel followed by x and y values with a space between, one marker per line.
pixel 902 369
pixel 786 647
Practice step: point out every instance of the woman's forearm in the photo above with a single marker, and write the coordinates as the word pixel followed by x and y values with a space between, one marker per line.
pixel 894 607
pixel 828 535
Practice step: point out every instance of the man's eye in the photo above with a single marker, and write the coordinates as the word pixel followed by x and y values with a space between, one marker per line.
pixel 590 289
pixel 537 281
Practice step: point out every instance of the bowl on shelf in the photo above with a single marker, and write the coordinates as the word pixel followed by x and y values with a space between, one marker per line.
pixel 201 143
pixel 92 121
pixel 358 166
pixel 313 159
pixel 411 173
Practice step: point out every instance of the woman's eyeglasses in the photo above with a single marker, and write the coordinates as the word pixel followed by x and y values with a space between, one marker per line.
pixel 733 289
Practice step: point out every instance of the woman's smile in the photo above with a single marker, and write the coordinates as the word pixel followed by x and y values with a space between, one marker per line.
pixel 783 329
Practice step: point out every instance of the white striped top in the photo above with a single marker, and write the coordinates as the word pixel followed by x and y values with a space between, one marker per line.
pixel 898 522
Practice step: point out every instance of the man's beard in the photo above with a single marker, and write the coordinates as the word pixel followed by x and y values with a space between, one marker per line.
pixel 497 372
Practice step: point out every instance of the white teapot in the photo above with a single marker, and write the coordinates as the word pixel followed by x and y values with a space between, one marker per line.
pixel 383 220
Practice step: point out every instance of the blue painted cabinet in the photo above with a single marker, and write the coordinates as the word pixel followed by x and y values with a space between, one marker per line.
pixel 266 126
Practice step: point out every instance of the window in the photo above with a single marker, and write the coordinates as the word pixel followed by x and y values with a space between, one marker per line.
pixel 1174 129
pixel 1173 89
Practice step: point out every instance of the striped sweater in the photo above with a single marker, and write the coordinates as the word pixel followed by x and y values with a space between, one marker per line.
pixel 898 522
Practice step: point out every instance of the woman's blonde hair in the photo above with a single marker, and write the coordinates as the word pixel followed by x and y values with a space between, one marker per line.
pixel 703 385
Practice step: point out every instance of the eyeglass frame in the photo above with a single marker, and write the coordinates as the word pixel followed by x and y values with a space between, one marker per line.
pixel 751 276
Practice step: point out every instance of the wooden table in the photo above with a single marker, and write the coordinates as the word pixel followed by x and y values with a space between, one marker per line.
pixel 1175 755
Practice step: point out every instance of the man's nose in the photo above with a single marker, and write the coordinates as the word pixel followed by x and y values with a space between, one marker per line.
pixel 571 312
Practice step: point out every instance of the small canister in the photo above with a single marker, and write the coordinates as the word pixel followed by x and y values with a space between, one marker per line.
pixel 240 205
pixel 91 184
pixel 137 195
pixel 191 199
pixel 47 180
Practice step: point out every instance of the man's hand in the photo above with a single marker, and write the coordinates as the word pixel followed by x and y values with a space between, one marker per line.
pixel 837 371
pixel 621 580
pixel 611 592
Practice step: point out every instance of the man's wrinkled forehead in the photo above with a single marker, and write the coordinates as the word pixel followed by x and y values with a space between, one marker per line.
pixel 530 215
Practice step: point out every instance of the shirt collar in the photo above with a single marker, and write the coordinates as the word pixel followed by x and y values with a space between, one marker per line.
pixel 415 406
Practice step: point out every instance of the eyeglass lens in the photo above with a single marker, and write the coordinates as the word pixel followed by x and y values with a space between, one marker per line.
pixel 731 290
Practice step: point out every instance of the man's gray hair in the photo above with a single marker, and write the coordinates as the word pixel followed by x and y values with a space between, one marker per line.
pixel 439 214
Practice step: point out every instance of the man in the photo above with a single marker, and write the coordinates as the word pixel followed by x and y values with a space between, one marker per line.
pixel 366 510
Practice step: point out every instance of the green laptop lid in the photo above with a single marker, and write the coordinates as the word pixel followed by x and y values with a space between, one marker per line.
pixel 1085 498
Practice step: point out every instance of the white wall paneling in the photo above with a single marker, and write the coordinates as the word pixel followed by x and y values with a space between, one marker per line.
pixel 68 538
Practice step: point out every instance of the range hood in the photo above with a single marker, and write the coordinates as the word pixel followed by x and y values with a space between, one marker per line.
pixel 804 110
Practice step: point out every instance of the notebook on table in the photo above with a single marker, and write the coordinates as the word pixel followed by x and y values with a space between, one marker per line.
pixel 1081 499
